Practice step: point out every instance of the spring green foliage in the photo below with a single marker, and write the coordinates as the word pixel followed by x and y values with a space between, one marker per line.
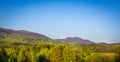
pixel 52 52
pixel 98 58
pixel 21 38
pixel 20 48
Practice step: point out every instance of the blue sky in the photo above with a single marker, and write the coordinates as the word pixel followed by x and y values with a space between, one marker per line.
pixel 96 20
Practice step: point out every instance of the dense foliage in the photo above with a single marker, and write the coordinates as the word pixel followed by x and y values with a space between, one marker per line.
pixel 21 48
pixel 58 52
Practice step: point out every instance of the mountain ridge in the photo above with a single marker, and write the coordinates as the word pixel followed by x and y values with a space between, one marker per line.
pixel 76 39
pixel 42 37
pixel 23 32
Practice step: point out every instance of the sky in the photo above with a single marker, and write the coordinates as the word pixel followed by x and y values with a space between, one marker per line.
pixel 96 20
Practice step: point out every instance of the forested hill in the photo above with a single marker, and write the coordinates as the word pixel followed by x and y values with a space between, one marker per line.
pixel 25 46
pixel 9 35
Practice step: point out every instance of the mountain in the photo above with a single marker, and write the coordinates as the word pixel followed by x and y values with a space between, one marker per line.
pixel 25 35
pixel 9 35
pixel 36 35
pixel 76 40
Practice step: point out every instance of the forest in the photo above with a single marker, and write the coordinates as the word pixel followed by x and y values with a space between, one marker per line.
pixel 58 52
pixel 16 47
pixel 59 30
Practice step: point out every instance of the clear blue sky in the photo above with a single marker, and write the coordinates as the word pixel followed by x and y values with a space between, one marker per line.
pixel 96 20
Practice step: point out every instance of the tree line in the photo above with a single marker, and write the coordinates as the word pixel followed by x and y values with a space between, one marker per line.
pixel 61 52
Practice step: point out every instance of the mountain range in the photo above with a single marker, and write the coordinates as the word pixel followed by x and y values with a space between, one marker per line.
pixel 76 40
pixel 41 36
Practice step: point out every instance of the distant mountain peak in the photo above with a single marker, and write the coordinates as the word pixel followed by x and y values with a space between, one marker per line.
pixel 76 39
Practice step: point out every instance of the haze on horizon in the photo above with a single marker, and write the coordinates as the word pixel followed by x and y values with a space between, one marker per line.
pixel 96 20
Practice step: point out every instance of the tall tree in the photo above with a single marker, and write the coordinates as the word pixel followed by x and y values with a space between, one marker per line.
pixel 56 54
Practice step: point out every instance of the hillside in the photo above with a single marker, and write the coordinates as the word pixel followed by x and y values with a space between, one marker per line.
pixel 27 36
pixel 76 40
pixel 9 35
pixel 26 46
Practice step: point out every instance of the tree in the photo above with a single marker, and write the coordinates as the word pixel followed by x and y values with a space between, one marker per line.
pixel 56 54
pixel 42 56
pixel 69 55
pixel 3 55
pixel 12 53
pixel 22 56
